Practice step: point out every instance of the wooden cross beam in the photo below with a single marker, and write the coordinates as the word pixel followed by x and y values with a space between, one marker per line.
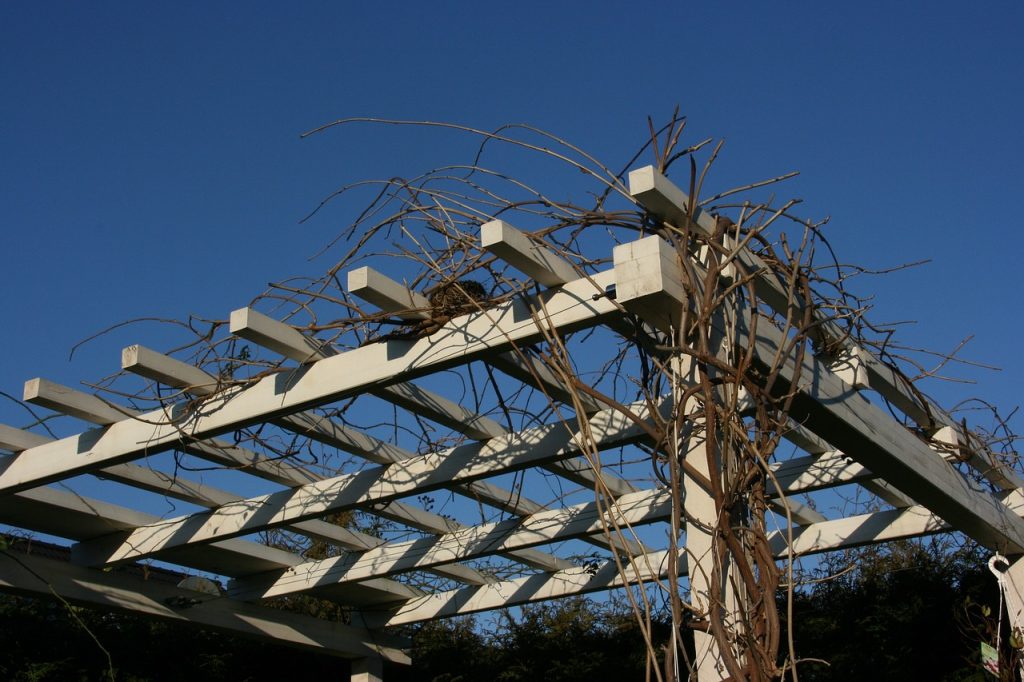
pixel 371 486
pixel 328 380
pixel 478 541
pixel 864 529
pixel 648 276
pixel 664 199
pixel 121 592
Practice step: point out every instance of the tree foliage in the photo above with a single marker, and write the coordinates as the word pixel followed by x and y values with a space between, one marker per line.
pixel 886 613
pixel 893 613
pixel 564 641
pixel 42 641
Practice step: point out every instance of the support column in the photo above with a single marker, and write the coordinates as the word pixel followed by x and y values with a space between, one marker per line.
pixel 368 669
pixel 712 589
pixel 652 283
pixel 700 519
pixel 715 590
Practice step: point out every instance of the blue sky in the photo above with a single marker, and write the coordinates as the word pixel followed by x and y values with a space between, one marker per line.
pixel 151 164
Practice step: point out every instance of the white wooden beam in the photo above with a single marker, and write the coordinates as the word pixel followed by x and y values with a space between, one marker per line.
pixel 378 451
pixel 480 427
pixel 877 527
pixel 72 402
pixel 481 540
pixel 855 531
pixel 830 408
pixel 813 444
pixel 800 513
pixel 440 525
pixel 441 410
pixel 211 498
pixel 568 583
pixel 180 375
pixel 203 495
pixel 872 528
pixel 595 477
pixel 539 587
pixel 540 528
pixel 663 198
pixel 288 341
pixel 816 472
pixel 896 389
pixel 123 592
pixel 805 474
pixel 100 403
pixel 829 535
pixel 461 340
pixel 330 432
pixel 850 366
pixel 809 442
pixel 467 543
pixel 387 294
pixel 525 254
pixel 177 374
pixel 281 338
pixel 371 486
pixel 95 410
pixel 16 440
pixel 848 420
pixel 168 371
pixel 393 297
pixel 649 282
pixel 948 442
pixel 887 493
pixel 77 517
pixel 183 490
pixel 698 520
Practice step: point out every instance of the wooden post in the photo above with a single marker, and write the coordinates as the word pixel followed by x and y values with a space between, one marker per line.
pixel 368 670
pixel 705 569
pixel 650 283
pixel 700 517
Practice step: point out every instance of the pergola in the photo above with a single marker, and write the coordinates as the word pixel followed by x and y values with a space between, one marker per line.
pixel 853 420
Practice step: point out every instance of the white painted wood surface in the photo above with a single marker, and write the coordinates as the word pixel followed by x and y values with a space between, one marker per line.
pixel 117 591
pixel 328 380
pixel 535 260
pixel 387 294
pixel 838 414
pixel 381 484
pixel 541 528
pixel 663 198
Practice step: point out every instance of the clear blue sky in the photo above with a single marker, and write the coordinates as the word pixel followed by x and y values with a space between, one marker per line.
pixel 150 160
